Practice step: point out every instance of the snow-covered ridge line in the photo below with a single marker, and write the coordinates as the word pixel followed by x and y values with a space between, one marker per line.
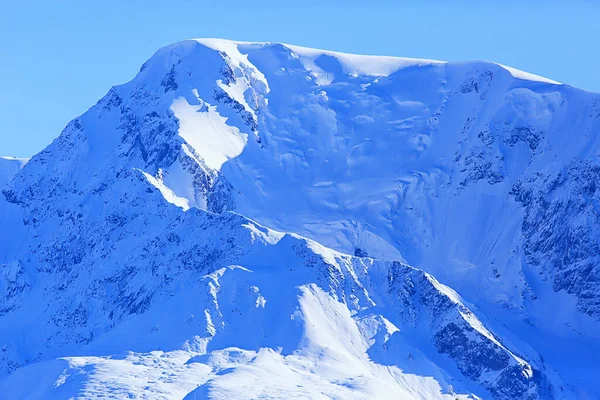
pixel 517 73
pixel 21 160
pixel 355 64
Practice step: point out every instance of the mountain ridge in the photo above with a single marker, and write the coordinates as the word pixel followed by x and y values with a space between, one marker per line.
pixel 217 43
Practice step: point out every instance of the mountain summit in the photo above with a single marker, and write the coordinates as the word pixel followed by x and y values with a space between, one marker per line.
pixel 261 220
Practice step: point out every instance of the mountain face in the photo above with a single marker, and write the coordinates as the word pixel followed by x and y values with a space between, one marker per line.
pixel 260 220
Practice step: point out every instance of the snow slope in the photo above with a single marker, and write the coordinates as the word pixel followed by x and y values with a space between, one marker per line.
pixel 136 259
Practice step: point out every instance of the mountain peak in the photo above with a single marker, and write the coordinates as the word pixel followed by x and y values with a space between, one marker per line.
pixel 354 64
pixel 249 210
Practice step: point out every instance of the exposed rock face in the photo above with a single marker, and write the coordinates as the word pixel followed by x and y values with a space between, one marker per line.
pixel 561 229
pixel 478 354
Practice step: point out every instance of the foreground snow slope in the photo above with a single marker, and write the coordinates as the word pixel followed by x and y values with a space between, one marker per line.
pixel 132 265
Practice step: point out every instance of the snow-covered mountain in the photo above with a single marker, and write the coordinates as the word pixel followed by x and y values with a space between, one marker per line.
pixel 238 221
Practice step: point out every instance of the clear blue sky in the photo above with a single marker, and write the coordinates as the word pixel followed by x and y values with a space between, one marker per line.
pixel 57 58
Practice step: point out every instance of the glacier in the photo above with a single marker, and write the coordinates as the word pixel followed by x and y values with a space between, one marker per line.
pixel 263 220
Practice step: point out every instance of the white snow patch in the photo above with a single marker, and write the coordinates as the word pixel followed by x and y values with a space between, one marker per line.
pixel 207 132
pixel 267 235
pixel 19 161
pixel 516 73
pixel 167 193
